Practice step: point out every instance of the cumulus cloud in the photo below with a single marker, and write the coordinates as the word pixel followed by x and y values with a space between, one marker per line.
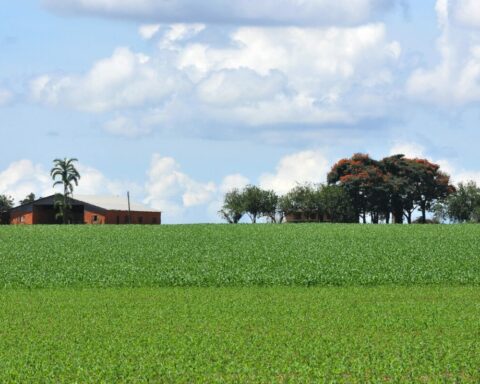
pixel 456 78
pixel 171 190
pixel 265 12
pixel 259 77
pixel 299 168
pixel 465 12
pixel 147 31
pixel 177 33
pixel 409 149
pixel 94 182
pixel 235 181
pixel 23 177
pixel 126 127
pixel 126 79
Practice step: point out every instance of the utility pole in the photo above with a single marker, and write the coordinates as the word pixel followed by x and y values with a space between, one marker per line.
pixel 129 211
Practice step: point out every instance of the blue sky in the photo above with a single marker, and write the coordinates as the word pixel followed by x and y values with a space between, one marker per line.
pixel 179 103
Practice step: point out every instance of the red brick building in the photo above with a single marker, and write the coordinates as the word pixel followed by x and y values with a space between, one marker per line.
pixel 87 210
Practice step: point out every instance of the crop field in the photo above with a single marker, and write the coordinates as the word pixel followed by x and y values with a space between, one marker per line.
pixel 229 304
pixel 247 255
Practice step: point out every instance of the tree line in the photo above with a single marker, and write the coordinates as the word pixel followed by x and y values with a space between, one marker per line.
pixel 361 189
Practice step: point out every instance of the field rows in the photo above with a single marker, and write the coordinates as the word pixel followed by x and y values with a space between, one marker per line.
pixel 221 255
pixel 241 335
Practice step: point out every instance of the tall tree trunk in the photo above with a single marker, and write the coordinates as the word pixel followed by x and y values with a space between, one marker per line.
pixel 398 216
pixel 424 212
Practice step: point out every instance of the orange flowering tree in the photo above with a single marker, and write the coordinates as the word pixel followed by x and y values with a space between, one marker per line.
pixel 363 178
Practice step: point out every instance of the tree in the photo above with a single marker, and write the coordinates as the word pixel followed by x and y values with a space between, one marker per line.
pixel 254 202
pixel 270 207
pixel 6 203
pixel 29 199
pixel 336 204
pixel 364 180
pixel 233 207
pixel 65 174
pixel 401 187
pixel 430 185
pixel 303 200
pixel 464 205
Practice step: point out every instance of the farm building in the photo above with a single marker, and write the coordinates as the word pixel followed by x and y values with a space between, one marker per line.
pixel 86 210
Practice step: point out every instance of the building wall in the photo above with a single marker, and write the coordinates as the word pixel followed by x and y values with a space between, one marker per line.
pixel 46 215
pixel 94 218
pixel 122 217
pixel 21 218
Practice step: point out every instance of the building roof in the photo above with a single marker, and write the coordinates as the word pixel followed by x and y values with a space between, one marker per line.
pixel 113 203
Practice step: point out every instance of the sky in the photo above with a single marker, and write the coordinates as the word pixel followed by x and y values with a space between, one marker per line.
pixel 179 101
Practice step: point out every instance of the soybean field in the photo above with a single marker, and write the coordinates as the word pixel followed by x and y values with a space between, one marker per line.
pixel 248 303
pixel 244 255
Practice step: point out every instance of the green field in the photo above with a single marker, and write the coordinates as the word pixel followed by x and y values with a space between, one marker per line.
pixel 247 255
pixel 293 303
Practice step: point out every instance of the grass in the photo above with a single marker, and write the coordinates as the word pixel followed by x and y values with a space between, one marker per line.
pixel 220 255
pixel 207 303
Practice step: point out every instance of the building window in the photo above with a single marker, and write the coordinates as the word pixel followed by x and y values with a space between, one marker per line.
pixel 95 218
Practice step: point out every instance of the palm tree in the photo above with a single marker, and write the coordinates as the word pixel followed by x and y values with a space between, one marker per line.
pixel 64 173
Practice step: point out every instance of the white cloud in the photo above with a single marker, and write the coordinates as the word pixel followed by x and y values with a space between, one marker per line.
pixel 180 32
pixel 123 126
pixel 173 191
pixel 303 167
pixel 22 178
pixel 126 79
pixel 147 31
pixel 409 149
pixel 294 75
pixel 456 79
pixel 465 12
pixel 270 12
pixel 5 96
pixel 94 182
pixel 235 181
pixel 235 88
pixel 261 76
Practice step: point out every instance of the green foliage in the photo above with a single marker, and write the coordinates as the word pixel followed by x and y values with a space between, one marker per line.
pixel 244 255
pixel 253 201
pixel 464 205
pixel 6 203
pixel 241 335
pixel 30 198
pixel 318 203
pixel 233 207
